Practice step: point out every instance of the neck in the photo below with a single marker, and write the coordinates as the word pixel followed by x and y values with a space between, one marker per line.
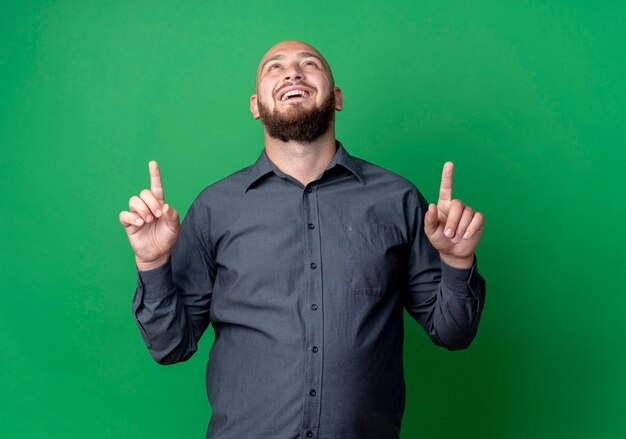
pixel 303 161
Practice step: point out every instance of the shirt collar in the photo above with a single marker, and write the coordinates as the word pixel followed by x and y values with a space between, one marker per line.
pixel 264 165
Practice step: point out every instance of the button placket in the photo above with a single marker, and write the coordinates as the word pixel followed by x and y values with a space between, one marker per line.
pixel 314 318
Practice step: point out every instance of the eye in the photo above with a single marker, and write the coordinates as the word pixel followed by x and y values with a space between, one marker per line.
pixel 310 63
pixel 273 66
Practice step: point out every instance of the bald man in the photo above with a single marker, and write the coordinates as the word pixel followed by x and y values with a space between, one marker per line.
pixel 303 264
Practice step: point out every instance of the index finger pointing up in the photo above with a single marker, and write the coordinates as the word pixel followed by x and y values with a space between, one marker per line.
pixel 445 190
pixel 156 187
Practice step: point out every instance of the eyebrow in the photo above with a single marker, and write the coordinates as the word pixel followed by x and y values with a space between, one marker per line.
pixel 299 55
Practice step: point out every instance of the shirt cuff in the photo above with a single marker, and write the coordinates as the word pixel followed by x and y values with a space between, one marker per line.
pixel 157 282
pixel 457 279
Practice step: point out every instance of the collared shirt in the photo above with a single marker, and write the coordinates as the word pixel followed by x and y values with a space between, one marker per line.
pixel 305 288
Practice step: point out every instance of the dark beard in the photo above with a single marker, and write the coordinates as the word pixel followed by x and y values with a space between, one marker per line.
pixel 299 125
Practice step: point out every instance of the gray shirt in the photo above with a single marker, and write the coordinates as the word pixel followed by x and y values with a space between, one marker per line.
pixel 305 289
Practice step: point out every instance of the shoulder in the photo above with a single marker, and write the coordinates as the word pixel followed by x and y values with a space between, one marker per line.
pixel 389 184
pixel 232 183
pixel 378 176
pixel 222 192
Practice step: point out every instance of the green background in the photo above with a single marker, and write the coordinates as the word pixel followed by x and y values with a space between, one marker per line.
pixel 528 99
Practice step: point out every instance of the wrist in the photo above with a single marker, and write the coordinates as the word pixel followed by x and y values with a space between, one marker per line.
pixel 458 262
pixel 150 265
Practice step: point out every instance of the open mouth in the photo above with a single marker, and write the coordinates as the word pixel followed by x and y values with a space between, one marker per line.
pixel 293 95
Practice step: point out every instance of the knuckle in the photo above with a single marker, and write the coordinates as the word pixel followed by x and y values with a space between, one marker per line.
pixel 454 217
pixel 136 204
pixel 145 193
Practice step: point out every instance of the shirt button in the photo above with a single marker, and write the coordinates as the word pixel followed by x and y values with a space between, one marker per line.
pixel 314 307
pixel 315 349
pixel 312 392
pixel 311 226
pixel 313 265
pixel 309 190
pixel 309 434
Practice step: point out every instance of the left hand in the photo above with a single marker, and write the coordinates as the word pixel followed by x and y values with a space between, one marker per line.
pixel 452 227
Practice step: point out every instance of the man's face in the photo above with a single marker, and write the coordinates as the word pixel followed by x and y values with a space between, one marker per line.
pixel 295 89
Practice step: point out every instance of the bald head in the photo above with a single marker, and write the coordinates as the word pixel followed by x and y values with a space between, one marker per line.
pixel 304 50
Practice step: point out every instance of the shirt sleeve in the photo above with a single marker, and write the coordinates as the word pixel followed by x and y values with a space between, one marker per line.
pixel 172 302
pixel 445 300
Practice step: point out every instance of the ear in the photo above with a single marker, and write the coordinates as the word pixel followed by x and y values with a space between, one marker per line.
pixel 338 99
pixel 254 106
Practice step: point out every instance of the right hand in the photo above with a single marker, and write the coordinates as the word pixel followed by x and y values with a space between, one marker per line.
pixel 152 225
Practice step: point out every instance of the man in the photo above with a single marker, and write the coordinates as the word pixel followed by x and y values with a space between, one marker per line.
pixel 303 263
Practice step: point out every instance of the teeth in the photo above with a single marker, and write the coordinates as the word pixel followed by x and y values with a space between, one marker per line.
pixel 301 93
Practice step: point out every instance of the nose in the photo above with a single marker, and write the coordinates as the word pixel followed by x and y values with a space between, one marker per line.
pixel 293 73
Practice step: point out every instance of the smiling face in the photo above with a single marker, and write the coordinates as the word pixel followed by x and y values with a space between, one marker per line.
pixel 294 85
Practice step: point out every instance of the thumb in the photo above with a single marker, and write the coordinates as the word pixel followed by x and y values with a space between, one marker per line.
pixel 431 220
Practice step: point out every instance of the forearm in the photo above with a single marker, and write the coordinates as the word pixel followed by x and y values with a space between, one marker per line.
pixel 458 306
pixel 161 318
